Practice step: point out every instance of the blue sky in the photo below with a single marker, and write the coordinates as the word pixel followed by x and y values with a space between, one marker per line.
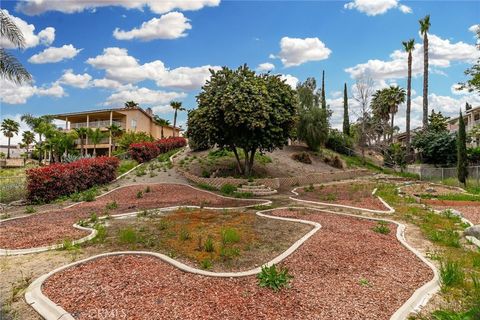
pixel 94 56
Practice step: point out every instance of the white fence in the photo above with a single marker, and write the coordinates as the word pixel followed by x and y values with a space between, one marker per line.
pixel 432 173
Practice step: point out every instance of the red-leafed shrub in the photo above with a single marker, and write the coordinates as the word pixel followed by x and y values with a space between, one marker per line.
pixel 48 183
pixel 146 151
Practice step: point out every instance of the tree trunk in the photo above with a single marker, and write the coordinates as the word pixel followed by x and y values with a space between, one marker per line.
pixel 425 80
pixel 239 164
pixel 40 151
pixel 249 160
pixel 409 102
pixel 8 149
pixel 94 150
pixel 391 127
pixel 174 122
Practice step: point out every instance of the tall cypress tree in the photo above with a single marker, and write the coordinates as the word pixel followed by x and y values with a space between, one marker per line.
pixel 324 101
pixel 346 120
pixel 462 151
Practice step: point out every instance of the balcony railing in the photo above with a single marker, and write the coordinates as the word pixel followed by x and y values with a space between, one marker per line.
pixel 89 142
pixel 96 124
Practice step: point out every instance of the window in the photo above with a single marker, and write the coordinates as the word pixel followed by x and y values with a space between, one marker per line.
pixel 133 123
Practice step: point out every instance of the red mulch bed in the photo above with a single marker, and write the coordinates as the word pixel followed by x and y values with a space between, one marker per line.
pixel 53 227
pixel 355 195
pixel 469 209
pixel 327 271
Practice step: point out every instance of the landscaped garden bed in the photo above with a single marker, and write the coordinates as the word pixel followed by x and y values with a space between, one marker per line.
pixel 206 239
pixel 346 270
pixel 49 228
pixel 357 194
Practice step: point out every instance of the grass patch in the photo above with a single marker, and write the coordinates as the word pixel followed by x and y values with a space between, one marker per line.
pixel 452 197
pixel 382 227
pixel 451 274
pixel 228 189
pixel 125 166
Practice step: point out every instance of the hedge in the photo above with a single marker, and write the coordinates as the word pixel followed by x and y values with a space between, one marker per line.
pixel 146 151
pixel 48 183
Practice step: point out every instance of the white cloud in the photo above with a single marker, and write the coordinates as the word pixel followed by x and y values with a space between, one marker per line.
pixel 162 109
pixel 143 96
pixel 264 67
pixel 75 80
pixel 106 83
pixel 123 68
pixel 54 54
pixel 296 51
pixel 33 7
pixel 45 36
pixel 290 80
pixel 474 28
pixel 12 93
pixel 169 26
pixel 441 53
pixel 376 7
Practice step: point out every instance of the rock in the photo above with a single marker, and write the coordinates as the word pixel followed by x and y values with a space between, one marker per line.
pixel 473 231
pixel 431 190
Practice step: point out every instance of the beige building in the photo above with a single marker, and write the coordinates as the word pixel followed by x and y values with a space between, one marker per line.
pixel 129 119
pixel 472 119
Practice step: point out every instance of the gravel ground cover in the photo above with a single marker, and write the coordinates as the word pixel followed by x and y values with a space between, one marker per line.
pixel 344 271
pixel 350 194
pixel 469 209
pixel 418 189
pixel 53 227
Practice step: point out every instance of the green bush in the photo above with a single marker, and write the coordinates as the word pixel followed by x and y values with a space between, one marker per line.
pixel 209 246
pixel 228 189
pixel 128 235
pixel 339 142
pixel 89 195
pixel 206 264
pixel 230 235
pixel 274 278
pixel 382 227
pixel 472 314
pixel 133 137
pixel 111 205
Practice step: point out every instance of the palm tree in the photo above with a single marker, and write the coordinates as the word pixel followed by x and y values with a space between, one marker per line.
pixel 95 137
pixel 28 137
pixel 409 46
pixel 82 133
pixel 9 128
pixel 381 112
pixel 131 105
pixel 115 132
pixel 40 125
pixel 10 67
pixel 177 106
pixel 394 96
pixel 161 122
pixel 424 28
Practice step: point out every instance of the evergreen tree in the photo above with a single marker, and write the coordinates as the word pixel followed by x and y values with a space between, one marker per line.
pixel 324 125
pixel 346 120
pixel 324 101
pixel 462 151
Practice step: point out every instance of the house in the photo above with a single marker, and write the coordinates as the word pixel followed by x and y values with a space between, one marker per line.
pixel 129 119
pixel 472 119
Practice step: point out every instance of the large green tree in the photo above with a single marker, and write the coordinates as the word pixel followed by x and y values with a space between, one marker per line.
pixel 437 122
pixel 9 128
pixel 308 96
pixel 10 67
pixel 346 120
pixel 424 28
pixel 239 109
pixel 409 46
pixel 95 137
pixel 462 160
pixel 28 137
pixel 40 125
pixel 473 83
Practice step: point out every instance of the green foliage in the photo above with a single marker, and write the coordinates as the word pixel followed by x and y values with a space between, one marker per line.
pixel 89 195
pixel 125 166
pixel 339 142
pixel 209 246
pixel 436 147
pixel 139 194
pixel 238 109
pixel 205 186
pixel 111 205
pixel 462 162
pixel 128 236
pixel 395 155
pixel 230 235
pixel 451 274
pixel 185 235
pixel 130 137
pixel 382 227
pixel 228 253
pixel 206 264
pixel 472 314
pixel 30 209
pixel 446 237
pixel 346 120
pixel 69 245
pixel 274 278
pixel 437 122
pixel 364 282
pixel 311 127
pixel 473 155
pixel 228 189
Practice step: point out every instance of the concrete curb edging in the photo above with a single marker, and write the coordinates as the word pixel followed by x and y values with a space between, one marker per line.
pixel 5 252
pixel 49 310
pixel 389 211
pixel 423 294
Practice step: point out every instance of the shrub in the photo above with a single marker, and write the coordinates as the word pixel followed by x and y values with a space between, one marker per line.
pixel 139 194
pixel 111 205
pixel 48 183
pixel 146 151
pixel 228 253
pixel 451 274
pixel 128 235
pixel 382 227
pixel 274 279
pixel 209 246
pixel 89 195
pixel 302 157
pixel 339 142
pixel 30 209
pixel 230 235
pixel 133 137
pixel 228 189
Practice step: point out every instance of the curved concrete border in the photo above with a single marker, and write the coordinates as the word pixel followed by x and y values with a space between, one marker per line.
pixel 4 252
pixel 49 310
pixel 389 211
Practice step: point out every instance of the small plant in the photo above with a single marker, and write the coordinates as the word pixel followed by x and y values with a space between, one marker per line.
pixel 330 197
pixel 139 194
pixel 209 245
pixel 205 186
pixel 310 188
pixel 101 233
pixel 184 235
pixel 141 171
pixel 68 245
pixel 230 235
pixel 451 274
pixel 89 195
pixel 471 314
pixel 382 227
pixel 147 189
pixel 128 235
pixel 111 205
pixel 30 209
pixel 206 264
pixel 302 157
pixel 228 189
pixel 364 282
pixel 205 174
pixel 447 237
pixel 143 214
pixel 274 278
pixel 163 224
pixel 93 218
pixel 228 253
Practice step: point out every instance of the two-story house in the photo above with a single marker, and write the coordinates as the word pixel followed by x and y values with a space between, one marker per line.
pixel 129 119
